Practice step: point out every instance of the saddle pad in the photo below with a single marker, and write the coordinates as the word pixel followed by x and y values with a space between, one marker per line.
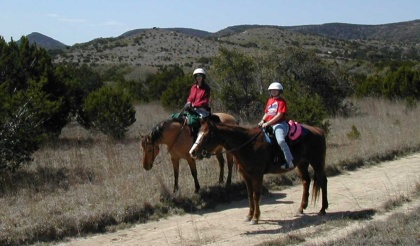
pixel 295 130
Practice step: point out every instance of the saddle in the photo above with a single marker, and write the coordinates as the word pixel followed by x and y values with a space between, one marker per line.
pixel 295 134
pixel 192 119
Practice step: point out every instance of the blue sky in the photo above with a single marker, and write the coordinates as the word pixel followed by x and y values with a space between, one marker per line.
pixel 79 21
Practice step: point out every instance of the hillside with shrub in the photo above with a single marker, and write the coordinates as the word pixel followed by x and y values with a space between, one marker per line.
pixel 145 50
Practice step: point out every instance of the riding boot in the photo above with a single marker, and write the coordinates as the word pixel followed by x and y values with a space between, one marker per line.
pixel 287 165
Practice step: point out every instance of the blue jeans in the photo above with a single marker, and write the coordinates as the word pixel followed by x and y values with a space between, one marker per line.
pixel 280 131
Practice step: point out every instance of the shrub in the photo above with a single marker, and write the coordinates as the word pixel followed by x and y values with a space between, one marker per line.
pixel 354 133
pixel 157 83
pixel 236 85
pixel 176 93
pixel 306 108
pixel 22 116
pixel 109 110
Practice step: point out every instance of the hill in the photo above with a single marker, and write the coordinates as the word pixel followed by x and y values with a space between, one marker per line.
pixel 186 31
pixel 408 31
pixel 145 50
pixel 45 41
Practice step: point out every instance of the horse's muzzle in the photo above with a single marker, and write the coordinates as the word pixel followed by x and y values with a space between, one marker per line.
pixel 196 155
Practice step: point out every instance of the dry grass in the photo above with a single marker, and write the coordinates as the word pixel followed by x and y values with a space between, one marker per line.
pixel 357 228
pixel 85 183
pixel 387 130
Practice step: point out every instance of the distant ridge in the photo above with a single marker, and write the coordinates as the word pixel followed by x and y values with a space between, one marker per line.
pixel 186 31
pixel 44 41
pixel 408 31
pixel 405 32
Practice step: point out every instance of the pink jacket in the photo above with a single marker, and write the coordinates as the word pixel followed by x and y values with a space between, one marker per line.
pixel 199 96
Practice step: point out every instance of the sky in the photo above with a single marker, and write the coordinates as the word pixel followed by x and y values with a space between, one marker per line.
pixel 79 21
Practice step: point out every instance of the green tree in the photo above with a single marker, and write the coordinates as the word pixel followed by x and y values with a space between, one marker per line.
pixel 399 83
pixel 157 83
pixel 176 93
pixel 23 62
pixel 110 111
pixel 371 86
pixel 22 118
pixel 303 70
pixel 116 73
pixel 403 83
pixel 306 108
pixel 31 102
pixel 235 84
pixel 136 89
pixel 79 82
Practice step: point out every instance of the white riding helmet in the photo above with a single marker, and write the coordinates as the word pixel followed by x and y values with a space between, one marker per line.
pixel 275 86
pixel 198 71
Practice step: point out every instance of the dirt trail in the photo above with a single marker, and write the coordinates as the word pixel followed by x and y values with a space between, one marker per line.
pixel 352 193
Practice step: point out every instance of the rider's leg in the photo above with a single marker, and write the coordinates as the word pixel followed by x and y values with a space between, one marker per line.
pixel 280 130
pixel 202 112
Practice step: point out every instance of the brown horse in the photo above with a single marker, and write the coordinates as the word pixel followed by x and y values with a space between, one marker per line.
pixel 255 157
pixel 177 137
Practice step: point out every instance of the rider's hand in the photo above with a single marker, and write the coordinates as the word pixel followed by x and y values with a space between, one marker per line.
pixel 261 123
pixel 264 125
pixel 187 105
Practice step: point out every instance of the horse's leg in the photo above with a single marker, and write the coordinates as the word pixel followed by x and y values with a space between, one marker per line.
pixel 306 181
pixel 175 164
pixel 250 190
pixel 221 161
pixel 257 186
pixel 193 168
pixel 229 159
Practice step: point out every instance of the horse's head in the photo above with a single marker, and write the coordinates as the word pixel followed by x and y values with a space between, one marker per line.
pixel 206 140
pixel 150 151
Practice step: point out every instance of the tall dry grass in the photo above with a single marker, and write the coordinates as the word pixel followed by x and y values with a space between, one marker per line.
pixel 86 183
pixel 385 128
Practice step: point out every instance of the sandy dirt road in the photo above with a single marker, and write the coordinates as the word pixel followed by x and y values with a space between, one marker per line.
pixel 355 192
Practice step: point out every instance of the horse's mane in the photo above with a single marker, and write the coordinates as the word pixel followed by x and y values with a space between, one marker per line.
pixel 157 131
pixel 246 131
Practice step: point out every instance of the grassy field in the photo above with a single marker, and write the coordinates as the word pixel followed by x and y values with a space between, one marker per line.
pixel 84 183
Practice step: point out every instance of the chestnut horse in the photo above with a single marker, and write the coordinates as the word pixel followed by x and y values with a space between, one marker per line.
pixel 176 135
pixel 255 157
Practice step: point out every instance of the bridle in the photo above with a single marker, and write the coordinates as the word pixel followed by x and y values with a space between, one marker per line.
pixel 169 149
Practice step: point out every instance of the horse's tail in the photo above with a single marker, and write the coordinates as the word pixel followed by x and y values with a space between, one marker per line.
pixel 315 190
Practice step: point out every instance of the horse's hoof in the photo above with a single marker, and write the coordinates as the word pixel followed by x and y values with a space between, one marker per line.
pixel 253 222
pixel 299 211
pixel 247 219
pixel 322 212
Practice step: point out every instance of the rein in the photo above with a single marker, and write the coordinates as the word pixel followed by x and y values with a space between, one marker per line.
pixel 240 146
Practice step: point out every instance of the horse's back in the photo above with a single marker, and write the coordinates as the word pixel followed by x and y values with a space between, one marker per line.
pixel 315 130
pixel 314 144
pixel 227 119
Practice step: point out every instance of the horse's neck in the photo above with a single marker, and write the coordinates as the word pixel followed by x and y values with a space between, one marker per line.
pixel 171 132
pixel 233 136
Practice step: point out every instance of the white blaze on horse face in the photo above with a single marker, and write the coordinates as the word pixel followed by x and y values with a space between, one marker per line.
pixel 197 142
